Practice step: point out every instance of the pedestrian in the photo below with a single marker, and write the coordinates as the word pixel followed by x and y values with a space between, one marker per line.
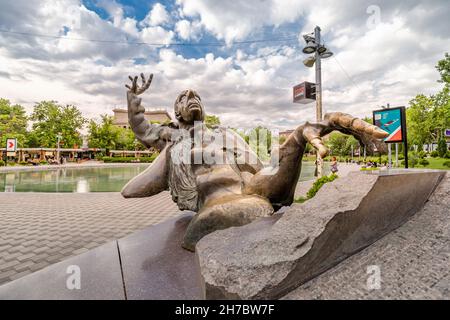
pixel 334 165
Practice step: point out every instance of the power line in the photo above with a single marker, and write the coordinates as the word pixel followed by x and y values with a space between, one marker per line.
pixel 187 44
pixel 345 72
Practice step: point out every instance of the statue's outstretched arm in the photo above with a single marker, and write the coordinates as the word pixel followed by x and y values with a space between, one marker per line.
pixel 151 181
pixel 278 183
pixel 150 135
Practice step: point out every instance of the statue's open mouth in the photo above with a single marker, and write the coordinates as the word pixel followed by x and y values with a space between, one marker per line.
pixel 194 106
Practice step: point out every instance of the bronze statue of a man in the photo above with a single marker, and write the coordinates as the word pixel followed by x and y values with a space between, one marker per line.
pixel 225 183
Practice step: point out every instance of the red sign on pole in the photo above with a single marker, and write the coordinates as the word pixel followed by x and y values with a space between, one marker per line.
pixel 11 145
pixel 304 92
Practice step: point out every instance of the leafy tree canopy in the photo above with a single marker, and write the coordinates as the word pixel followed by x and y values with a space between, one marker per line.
pixel 51 119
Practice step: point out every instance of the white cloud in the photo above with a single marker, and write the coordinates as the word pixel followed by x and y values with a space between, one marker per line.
pixel 188 30
pixel 245 85
pixel 234 20
pixel 157 16
pixel 156 35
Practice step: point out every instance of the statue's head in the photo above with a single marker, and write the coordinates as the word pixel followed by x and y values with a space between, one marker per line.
pixel 188 107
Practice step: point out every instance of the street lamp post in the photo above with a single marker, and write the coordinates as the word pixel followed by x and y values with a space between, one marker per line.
pixel 319 160
pixel 320 52
pixel 57 146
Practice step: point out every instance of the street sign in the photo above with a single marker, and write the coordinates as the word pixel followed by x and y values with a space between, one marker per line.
pixel 393 121
pixel 447 132
pixel 11 145
pixel 304 93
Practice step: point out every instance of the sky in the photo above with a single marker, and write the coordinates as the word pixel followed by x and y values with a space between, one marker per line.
pixel 243 57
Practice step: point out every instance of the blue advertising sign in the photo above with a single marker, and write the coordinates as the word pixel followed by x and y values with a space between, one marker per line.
pixel 393 122
pixel 447 132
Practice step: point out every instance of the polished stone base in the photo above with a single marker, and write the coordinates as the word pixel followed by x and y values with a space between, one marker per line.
pixel 100 278
pixel 155 266
pixel 149 264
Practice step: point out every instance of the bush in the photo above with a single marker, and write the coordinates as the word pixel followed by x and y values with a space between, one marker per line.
pixel 319 183
pixel 411 162
pixel 447 155
pixel 369 169
pixel 447 164
pixel 43 162
pixel 442 147
pixel 421 154
pixel 129 159
pixel 99 156
pixel 434 154
pixel 2 163
pixel 401 156
pixel 424 162
pixel 23 163
pixel 300 199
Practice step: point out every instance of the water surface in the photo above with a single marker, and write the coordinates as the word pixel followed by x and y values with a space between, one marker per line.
pixel 93 179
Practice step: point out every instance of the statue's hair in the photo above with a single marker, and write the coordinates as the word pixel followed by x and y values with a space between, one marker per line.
pixel 182 181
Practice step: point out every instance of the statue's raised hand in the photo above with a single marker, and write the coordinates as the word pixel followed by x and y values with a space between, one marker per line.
pixel 135 88
pixel 366 133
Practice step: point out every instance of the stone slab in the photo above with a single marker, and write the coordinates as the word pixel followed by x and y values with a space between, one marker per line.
pixel 265 260
pixel 155 266
pixel 413 261
pixel 100 278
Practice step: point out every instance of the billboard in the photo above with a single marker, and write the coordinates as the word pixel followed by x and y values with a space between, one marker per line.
pixel 304 92
pixel 393 121
pixel 447 132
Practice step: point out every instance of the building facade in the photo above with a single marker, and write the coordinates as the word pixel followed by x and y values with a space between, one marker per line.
pixel 121 117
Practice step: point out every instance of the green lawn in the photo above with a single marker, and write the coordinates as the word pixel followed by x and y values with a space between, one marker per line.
pixel 436 163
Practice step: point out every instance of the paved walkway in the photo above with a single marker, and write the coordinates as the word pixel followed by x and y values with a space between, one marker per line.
pixel 38 229
pixel 344 168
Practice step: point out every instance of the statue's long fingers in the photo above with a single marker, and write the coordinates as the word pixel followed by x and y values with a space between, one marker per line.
pixel 149 81
pixel 318 144
pixel 143 80
pixel 128 87
pixel 344 120
pixel 135 85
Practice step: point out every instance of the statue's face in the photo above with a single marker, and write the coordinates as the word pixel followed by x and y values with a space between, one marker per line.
pixel 188 107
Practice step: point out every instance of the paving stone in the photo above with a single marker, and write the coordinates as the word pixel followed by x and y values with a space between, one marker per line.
pixel 36 227
pixel 25 256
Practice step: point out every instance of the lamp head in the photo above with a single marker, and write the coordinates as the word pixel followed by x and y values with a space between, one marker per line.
pixel 309 62
pixel 326 54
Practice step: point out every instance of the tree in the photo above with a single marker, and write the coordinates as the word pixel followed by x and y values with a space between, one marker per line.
pixel 368 120
pixel 428 116
pixel 419 120
pixel 212 121
pixel 260 140
pixel 126 140
pixel 13 122
pixel 103 135
pixel 51 119
pixel 442 147
pixel 443 67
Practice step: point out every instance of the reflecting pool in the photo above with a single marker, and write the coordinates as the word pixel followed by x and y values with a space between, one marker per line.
pixel 91 179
